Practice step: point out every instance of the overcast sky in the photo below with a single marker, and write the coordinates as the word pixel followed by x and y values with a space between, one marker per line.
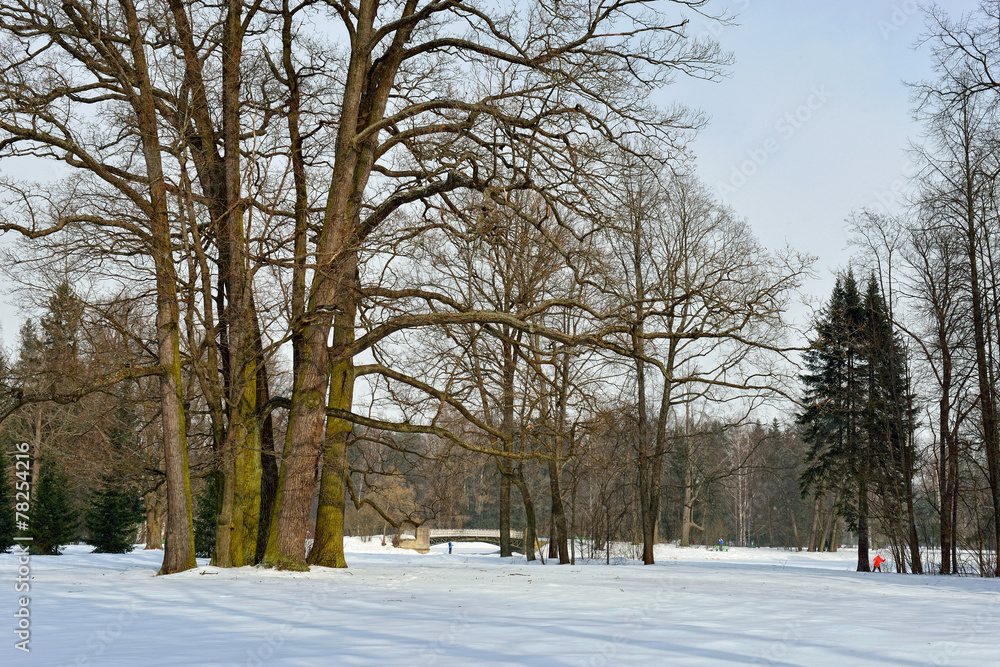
pixel 813 122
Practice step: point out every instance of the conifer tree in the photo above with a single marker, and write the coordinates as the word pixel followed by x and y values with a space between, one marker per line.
pixel 890 420
pixel 112 518
pixel 836 411
pixel 859 415
pixel 6 506
pixel 206 519
pixel 53 520
pixel 116 508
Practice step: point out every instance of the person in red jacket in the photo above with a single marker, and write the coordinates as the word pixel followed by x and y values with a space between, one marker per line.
pixel 878 562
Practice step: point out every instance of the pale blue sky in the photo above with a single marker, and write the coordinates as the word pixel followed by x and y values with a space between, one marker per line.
pixel 840 66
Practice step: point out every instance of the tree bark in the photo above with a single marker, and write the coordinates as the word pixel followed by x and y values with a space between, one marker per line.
pixel 863 564
pixel 178 554
pixel 558 516
pixel 530 534
pixel 154 520
pixel 991 436
pixel 814 531
pixel 504 507
pixel 365 95
pixel 328 546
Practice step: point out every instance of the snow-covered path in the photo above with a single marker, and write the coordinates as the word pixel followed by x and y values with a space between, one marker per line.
pixel 394 607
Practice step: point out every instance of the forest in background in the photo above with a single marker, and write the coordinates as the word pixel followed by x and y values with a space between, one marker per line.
pixel 327 267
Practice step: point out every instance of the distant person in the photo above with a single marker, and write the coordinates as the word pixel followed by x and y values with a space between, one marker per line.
pixel 878 562
pixel 449 547
pixel 720 544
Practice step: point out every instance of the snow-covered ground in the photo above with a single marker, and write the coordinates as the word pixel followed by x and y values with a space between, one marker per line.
pixel 396 607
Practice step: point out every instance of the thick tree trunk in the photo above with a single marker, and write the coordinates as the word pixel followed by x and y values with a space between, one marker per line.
pixel 296 481
pixel 221 180
pixel 553 550
pixel 328 546
pixel 243 435
pixel 364 98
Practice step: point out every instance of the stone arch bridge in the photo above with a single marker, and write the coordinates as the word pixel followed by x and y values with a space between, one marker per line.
pixel 426 537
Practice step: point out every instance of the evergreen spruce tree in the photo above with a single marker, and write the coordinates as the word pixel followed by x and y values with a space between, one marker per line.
pixel 61 325
pixel 115 509
pixel 53 520
pixel 112 518
pixel 890 421
pixel 859 416
pixel 206 519
pixel 836 397
pixel 7 524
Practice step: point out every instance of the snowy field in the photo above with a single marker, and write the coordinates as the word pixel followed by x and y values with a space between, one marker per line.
pixel 396 607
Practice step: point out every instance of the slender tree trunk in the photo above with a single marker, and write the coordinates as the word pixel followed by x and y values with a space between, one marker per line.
pixel 507 471
pixel 829 526
pixel 268 456
pixel 530 534
pixel 945 449
pixel 154 520
pixel 504 506
pixel 991 434
pixel 916 566
pixel 558 517
pixel 863 561
pixel 687 512
pixel 814 531
pixel 178 554
pixel 299 179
